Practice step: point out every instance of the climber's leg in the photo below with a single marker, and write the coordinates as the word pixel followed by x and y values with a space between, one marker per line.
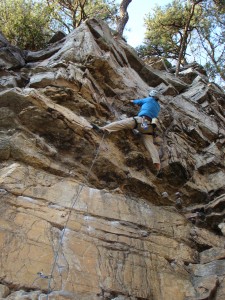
pixel 148 142
pixel 128 123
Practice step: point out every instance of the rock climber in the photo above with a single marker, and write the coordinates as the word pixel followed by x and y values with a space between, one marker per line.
pixel 144 122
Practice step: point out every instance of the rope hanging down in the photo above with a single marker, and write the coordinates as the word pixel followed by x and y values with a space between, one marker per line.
pixel 74 200
pixel 50 277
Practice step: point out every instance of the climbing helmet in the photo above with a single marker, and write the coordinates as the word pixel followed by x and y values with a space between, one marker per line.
pixel 154 93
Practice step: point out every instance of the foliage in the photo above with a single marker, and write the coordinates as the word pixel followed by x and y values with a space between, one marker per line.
pixel 30 23
pixel 26 23
pixel 197 26
pixel 164 28
pixel 71 13
pixel 210 37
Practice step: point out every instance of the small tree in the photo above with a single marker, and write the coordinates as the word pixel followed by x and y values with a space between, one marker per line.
pixel 192 28
pixel 211 37
pixel 169 29
pixel 188 27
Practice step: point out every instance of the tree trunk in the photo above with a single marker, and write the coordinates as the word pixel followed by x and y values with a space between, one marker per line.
pixel 183 45
pixel 123 18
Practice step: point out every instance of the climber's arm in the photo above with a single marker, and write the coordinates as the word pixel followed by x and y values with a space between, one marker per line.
pixel 138 101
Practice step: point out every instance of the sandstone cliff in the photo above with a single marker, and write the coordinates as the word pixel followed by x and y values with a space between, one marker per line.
pixel 83 216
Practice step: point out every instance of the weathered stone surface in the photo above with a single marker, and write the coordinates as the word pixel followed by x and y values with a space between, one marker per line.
pixel 59 35
pixel 206 287
pixel 4 291
pixel 10 56
pixel 100 241
pixel 212 254
pixel 22 295
pixel 216 267
pixel 83 217
pixel 157 63
pixel 215 212
pixel 206 239
pixel 220 293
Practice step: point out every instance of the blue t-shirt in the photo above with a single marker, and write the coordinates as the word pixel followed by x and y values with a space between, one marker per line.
pixel 149 107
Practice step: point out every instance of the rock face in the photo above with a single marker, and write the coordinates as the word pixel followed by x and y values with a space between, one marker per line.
pixel 82 215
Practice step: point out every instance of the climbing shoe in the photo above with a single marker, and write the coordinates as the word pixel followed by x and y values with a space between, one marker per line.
pixel 97 128
pixel 159 174
pixel 157 171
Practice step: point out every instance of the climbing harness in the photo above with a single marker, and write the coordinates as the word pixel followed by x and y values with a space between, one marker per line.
pixel 144 123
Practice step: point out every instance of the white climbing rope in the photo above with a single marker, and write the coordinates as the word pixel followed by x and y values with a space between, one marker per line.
pixel 74 200
pixel 50 277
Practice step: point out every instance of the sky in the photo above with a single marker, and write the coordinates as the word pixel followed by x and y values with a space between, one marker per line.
pixel 137 10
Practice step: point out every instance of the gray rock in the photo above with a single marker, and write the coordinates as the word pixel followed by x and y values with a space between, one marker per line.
pixel 211 255
pixel 216 267
pixel 11 57
pixel 4 291
pixel 59 35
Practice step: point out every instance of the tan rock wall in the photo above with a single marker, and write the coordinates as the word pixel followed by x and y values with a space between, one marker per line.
pixel 86 218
